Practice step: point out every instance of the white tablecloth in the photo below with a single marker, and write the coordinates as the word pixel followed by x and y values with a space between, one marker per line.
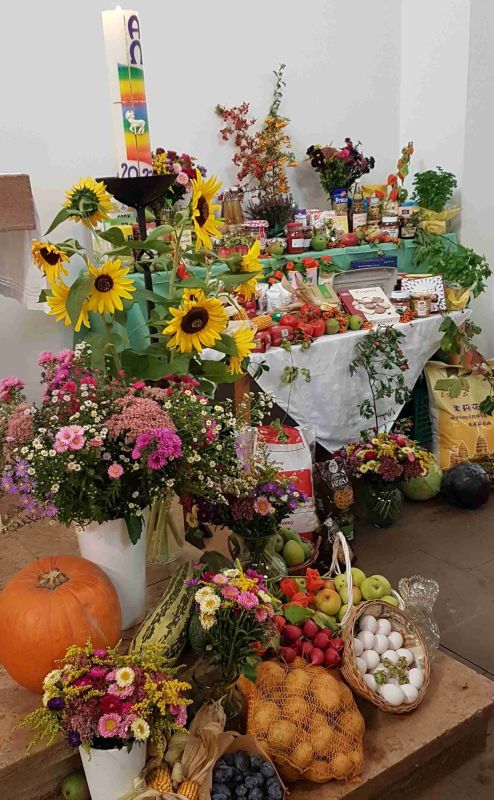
pixel 330 401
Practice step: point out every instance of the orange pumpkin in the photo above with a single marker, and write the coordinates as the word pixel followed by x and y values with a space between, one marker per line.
pixel 49 605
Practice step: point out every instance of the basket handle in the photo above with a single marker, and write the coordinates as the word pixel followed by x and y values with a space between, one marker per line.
pixel 340 538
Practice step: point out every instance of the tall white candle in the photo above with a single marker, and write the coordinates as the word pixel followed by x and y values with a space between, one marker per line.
pixel 122 34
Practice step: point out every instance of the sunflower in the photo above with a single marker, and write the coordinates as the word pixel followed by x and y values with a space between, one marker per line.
pixel 109 287
pixel 247 288
pixel 88 201
pixel 196 324
pixel 49 259
pixel 202 211
pixel 244 340
pixel 57 301
pixel 250 262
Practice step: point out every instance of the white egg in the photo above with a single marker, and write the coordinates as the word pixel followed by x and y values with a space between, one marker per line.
pixel 371 658
pixel 371 682
pixel 403 652
pixel 392 694
pixel 395 640
pixel 390 655
pixel 392 679
pixel 367 639
pixel 384 627
pixel 416 677
pixel 380 643
pixel 368 623
pixel 410 692
pixel 361 665
pixel 358 647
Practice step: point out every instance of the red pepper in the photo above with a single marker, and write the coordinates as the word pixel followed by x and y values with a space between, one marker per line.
pixel 289 587
pixel 313 580
pixel 300 599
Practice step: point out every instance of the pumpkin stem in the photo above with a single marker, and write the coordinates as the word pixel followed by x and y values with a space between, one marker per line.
pixel 52 579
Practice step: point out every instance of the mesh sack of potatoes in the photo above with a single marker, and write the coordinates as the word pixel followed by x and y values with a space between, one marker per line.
pixel 307 721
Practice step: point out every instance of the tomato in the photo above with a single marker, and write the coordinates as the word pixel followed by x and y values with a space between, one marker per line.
pixel 289 319
pixel 306 327
pixel 349 240
pixel 310 311
pixel 319 327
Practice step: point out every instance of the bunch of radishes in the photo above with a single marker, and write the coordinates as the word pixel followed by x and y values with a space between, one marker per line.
pixel 319 646
pixel 388 668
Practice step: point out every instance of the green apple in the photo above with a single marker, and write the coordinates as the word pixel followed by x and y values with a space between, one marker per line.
pixel 319 242
pixel 389 598
pixel 74 787
pixel 355 322
pixel 356 594
pixel 384 582
pixel 358 576
pixel 328 601
pixel 276 248
pixel 342 612
pixel 340 581
pixel 374 588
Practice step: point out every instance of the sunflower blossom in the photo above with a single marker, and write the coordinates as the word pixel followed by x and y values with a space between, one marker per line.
pixel 110 286
pixel 57 302
pixel 202 210
pixel 196 324
pixel 88 201
pixel 49 259
pixel 244 340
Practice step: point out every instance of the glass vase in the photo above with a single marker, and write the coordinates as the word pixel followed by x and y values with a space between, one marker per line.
pixel 383 504
pixel 419 595
pixel 258 552
pixel 165 531
pixel 210 683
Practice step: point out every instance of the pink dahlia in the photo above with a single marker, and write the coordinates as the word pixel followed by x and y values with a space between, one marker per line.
pixel 115 470
pixel 247 600
pixel 108 725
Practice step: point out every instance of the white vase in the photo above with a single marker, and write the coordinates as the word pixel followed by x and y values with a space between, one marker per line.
pixel 108 545
pixel 111 773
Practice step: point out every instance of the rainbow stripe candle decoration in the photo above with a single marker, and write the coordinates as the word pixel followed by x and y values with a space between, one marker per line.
pixel 122 34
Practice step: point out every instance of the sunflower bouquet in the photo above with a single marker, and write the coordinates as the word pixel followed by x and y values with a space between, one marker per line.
pixel 195 315
pixel 99 698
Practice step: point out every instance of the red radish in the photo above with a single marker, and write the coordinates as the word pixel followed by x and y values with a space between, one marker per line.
pixel 317 657
pixel 321 640
pixel 337 644
pixel 310 629
pixel 331 658
pixel 280 621
pixel 298 644
pixel 306 649
pixel 288 654
pixel 292 632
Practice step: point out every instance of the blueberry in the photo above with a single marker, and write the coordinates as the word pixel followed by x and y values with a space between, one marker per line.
pixel 256 794
pixel 275 791
pixel 227 758
pixel 256 761
pixel 267 770
pixel 239 777
pixel 256 779
pixel 241 792
pixel 242 762
pixel 222 789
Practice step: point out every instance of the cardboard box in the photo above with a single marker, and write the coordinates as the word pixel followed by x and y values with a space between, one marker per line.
pixel 371 304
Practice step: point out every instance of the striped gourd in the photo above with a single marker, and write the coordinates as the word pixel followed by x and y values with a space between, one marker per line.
pixel 168 623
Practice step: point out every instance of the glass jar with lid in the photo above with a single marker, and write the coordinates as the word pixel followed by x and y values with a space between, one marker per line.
pixel 294 238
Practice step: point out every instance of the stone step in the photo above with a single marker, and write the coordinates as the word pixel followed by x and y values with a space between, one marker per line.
pixel 403 754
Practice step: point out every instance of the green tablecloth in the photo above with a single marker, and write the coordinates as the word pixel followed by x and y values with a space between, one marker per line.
pixel 342 256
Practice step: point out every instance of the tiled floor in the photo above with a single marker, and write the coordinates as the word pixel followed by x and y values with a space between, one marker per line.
pixel 457 549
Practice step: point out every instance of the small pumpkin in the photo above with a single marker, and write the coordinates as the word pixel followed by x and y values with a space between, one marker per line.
pixel 49 605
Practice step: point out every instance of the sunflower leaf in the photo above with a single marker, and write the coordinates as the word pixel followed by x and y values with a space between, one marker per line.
pixel 70 246
pixel 141 295
pixel 134 527
pixel 217 372
pixel 231 281
pixel 161 230
pixel 226 345
pixel 113 235
pixel 142 365
pixel 193 283
pixel 42 296
pixel 77 295
pixel 62 215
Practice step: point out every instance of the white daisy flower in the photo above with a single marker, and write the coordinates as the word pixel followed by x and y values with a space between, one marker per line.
pixel 140 729
pixel 124 677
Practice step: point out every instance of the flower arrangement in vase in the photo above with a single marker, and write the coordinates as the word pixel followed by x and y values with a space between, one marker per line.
pixel 183 165
pixel 109 706
pixel 339 168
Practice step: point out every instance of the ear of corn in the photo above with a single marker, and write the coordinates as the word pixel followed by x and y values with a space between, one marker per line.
pixel 161 780
pixel 262 322
pixel 189 789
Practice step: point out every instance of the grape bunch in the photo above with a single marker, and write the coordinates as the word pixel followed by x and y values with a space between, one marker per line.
pixel 245 776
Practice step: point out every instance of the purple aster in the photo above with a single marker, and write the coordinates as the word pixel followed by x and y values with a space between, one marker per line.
pixel 192 582
pixel 51 510
pixel 21 468
pixel 56 704
pixel 8 485
pixel 73 739
pixel 156 460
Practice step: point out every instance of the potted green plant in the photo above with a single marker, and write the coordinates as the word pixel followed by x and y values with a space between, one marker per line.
pixel 433 188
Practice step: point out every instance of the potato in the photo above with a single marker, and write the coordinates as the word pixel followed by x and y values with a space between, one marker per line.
pixel 352 722
pixel 270 672
pixel 263 717
pixel 327 696
pixel 302 756
pixel 282 734
pixel 319 772
pixel 297 682
pixel 341 766
pixel 322 740
pixel 299 662
pixel 357 759
pixel 296 709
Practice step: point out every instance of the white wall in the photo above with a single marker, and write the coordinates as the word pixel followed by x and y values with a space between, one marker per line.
pixel 478 175
pixel 343 80
pixel 434 73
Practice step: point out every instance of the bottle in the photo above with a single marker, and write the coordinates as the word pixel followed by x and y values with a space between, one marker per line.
pixel 358 211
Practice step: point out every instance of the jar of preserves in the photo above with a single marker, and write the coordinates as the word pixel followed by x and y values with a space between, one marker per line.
pixel 307 237
pixel 391 227
pixel 294 238
pixel 421 303
pixel 400 300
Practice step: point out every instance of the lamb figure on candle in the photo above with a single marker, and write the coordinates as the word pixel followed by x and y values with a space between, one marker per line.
pixel 136 126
